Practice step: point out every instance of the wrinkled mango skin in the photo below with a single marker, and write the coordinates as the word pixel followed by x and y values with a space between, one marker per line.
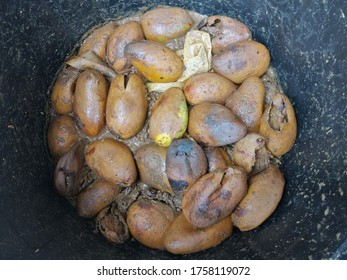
pixel 226 31
pixel 97 40
pixel 214 196
pixel 278 125
pixel 63 90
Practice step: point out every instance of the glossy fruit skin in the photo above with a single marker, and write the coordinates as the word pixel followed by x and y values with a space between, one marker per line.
pixel 214 196
pixel 214 125
pixel 208 87
pixel 154 61
pixel 126 107
pixel 89 102
pixel 63 90
pixel 97 40
pixel 119 38
pixel 166 23
pixel 242 60
pixel 62 134
pixel 263 196
pixel 112 160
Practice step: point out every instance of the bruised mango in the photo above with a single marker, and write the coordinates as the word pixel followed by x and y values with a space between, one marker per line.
pixel 96 197
pixel 214 125
pixel 242 60
pixel 214 196
pixel 217 158
pixel 62 134
pixel 251 154
pixel 226 31
pixel 169 117
pixel 185 163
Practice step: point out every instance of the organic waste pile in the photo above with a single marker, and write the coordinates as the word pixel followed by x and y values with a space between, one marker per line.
pixel 167 127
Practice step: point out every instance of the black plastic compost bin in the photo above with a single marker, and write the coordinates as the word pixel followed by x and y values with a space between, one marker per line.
pixel 307 40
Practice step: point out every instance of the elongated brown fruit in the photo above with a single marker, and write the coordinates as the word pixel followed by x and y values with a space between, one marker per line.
pixel 264 194
pixel 247 103
pixel 68 171
pixel 226 31
pixel 112 160
pixel 208 87
pixel 278 125
pixel 63 90
pixel 120 37
pixel 97 40
pixel 149 221
pixel 96 197
pixel 154 61
pixel 62 134
pixel 150 161
pixel 214 125
pixel 165 23
pixel 90 102
pixel 169 117
pixel 126 108
pixel 242 60
pixel 183 238
pixel 185 163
